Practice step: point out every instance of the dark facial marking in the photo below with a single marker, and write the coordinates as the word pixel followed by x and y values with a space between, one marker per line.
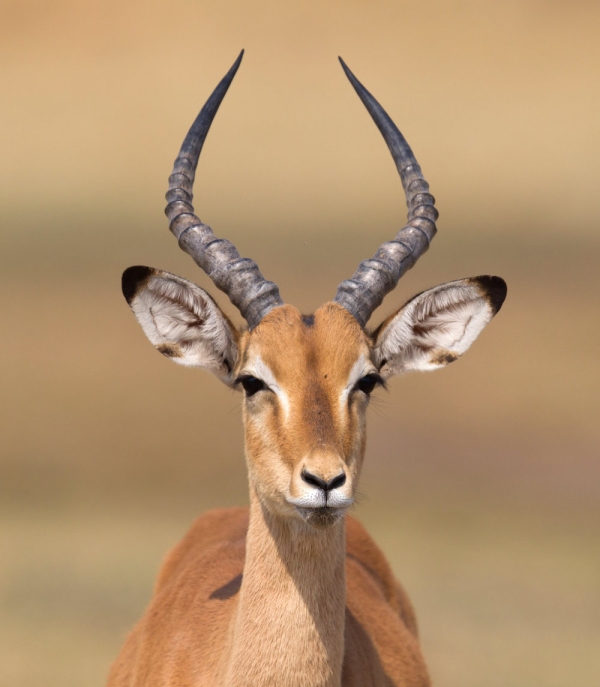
pixel 308 320
pixel 317 413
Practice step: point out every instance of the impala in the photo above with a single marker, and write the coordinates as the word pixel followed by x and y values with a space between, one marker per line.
pixel 291 591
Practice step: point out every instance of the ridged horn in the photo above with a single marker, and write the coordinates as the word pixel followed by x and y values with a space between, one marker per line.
pixel 238 277
pixel 375 278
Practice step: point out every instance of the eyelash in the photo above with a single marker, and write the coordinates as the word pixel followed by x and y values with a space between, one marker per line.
pixel 252 385
pixel 368 383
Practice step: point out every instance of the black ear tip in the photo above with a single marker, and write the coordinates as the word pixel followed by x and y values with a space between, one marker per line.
pixel 132 279
pixel 495 289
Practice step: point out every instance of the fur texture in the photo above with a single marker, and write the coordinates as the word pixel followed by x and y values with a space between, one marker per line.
pixel 187 633
pixel 437 326
pixel 182 320
pixel 292 592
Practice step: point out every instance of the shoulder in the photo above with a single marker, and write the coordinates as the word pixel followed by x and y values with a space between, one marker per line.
pixel 366 561
pixel 216 535
pixel 220 524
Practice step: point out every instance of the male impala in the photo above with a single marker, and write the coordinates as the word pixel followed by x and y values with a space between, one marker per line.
pixel 292 592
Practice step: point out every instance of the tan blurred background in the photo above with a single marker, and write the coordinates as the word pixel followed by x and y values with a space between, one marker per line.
pixel 482 481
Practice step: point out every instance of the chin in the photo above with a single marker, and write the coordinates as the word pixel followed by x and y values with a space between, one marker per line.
pixel 321 518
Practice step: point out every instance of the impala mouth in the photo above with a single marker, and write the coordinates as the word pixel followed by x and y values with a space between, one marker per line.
pixel 321 518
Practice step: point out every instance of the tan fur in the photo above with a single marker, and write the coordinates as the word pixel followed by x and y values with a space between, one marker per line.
pixel 284 594
pixel 180 639
pixel 314 369
pixel 290 592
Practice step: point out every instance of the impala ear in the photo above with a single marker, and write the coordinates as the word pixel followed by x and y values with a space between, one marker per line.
pixel 437 326
pixel 181 320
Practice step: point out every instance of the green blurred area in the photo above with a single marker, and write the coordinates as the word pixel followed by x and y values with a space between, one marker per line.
pixel 482 481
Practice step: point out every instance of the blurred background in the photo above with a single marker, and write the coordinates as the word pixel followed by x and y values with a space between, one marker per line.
pixel 482 481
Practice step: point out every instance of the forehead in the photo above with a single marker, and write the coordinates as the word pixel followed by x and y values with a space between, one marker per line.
pixel 330 341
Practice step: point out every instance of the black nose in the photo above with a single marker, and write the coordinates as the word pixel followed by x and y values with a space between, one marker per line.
pixel 313 480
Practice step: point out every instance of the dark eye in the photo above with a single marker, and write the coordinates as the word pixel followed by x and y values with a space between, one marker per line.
pixel 367 383
pixel 252 385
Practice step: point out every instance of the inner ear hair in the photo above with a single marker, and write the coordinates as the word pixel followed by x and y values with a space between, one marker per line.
pixel 182 321
pixel 437 326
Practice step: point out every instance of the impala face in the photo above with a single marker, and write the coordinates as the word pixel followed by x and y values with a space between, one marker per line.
pixel 306 379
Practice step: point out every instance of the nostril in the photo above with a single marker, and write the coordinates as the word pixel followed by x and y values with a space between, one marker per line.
pixel 313 480
pixel 338 481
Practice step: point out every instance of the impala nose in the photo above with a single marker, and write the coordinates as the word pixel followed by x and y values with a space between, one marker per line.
pixel 315 481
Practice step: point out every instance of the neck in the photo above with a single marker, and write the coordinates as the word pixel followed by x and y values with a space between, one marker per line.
pixel 289 625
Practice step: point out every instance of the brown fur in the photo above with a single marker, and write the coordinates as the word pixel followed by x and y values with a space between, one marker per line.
pixel 170 350
pixel 316 364
pixel 288 592
pixel 444 358
pixel 199 584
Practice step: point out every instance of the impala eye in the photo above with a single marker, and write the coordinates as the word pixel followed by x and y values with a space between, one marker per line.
pixel 252 385
pixel 367 383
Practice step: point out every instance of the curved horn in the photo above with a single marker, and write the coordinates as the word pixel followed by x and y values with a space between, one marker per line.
pixel 376 277
pixel 238 277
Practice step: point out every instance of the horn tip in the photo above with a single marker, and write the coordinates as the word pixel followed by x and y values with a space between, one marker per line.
pixel 344 65
pixel 358 87
pixel 236 64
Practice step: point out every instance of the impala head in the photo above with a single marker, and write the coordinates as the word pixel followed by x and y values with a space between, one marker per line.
pixel 306 379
